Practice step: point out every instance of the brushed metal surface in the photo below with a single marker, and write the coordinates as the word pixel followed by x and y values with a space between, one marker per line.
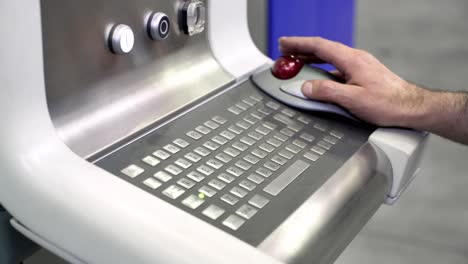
pixel 319 230
pixel 97 98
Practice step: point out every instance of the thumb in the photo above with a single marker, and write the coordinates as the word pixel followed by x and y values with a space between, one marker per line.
pixel 331 91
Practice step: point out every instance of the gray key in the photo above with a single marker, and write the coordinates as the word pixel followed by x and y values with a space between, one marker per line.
pixel 211 145
pixel 330 139
pixel 152 183
pixel 281 137
pixel 256 97
pixel 311 156
pixel 273 105
pixel 195 135
pixel 258 115
pixel 231 152
pixel 240 146
pixel 248 140
pixel 220 120
pixel 288 112
pixel 173 169
pixel 235 171
pixel 265 110
pixel 259 153
pixel 270 125
pixel 255 135
pixel 152 161
pixel 243 165
pixel 304 120
pixel 161 154
pixel 286 178
pixel 252 120
pixel 299 143
pixel 227 198
pixel 196 176
pixel 211 124
pixel 320 127
pixel 219 140
pixel 163 176
pixel 286 154
pixel 280 160
pixel 202 151
pixel 213 212
pixel 227 134
pixel 337 134
pixel 318 150
pixel 226 177
pixel 288 132
pixel 235 110
pixel 239 192
pixel 307 137
pixel 263 130
pixel 203 130
pixel 324 144
pixel 193 201
pixel 224 157
pixel 186 183
pixel 243 106
pixel 264 172
pixel 246 211
pixel 250 186
pixel 267 147
pixel 249 101
pixel 217 184
pixel 192 157
pixel 214 163
pixel 272 166
pixel 234 222
pixel 296 127
pixel 293 148
pixel 210 192
pixel 283 119
pixel 251 159
pixel 244 124
pixel 255 178
pixel 236 129
pixel 259 201
pixel 183 163
pixel 205 170
pixel 181 143
pixel 275 142
pixel 173 191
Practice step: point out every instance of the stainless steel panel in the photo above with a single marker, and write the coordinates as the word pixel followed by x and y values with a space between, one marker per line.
pixel 97 98
pixel 319 230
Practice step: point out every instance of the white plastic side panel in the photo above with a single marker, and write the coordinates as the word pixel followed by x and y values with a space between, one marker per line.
pixel 72 204
pixel 403 148
pixel 230 39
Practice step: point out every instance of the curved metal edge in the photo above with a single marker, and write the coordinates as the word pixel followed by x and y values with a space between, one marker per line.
pixel 326 223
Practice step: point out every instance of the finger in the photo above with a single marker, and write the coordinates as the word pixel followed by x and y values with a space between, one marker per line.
pixel 339 75
pixel 333 92
pixel 319 49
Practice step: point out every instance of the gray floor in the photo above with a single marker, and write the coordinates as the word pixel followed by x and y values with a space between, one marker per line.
pixel 425 41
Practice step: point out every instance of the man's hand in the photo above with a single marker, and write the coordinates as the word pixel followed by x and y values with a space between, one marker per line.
pixel 377 95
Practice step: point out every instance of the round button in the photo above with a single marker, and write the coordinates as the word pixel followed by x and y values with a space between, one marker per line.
pixel 159 26
pixel 121 39
pixel 193 17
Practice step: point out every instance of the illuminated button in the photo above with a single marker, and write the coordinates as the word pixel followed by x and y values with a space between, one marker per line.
pixel 193 201
pixel 161 175
pixel 173 191
pixel 246 211
pixel 161 154
pixel 233 222
pixel 152 161
pixel 213 212
pixel 132 171
pixel 152 183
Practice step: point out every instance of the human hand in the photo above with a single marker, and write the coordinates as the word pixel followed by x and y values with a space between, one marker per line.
pixel 369 90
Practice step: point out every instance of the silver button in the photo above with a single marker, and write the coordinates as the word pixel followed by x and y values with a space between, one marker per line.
pixel 259 201
pixel 288 132
pixel 181 143
pixel 252 159
pixel 223 157
pixel 240 146
pixel 211 145
pixel 195 135
pixel 259 153
pixel 173 169
pixel 211 124
pixel 255 178
pixel 256 97
pixel 258 115
pixel 273 105
pixel 219 140
pixel 311 156
pixel 202 151
pixel 235 110
pixel 203 130
pixel 183 163
pixel 243 165
pixel 235 171
pixel 173 191
pixel 288 112
pixel 279 160
pixel 244 124
pixel 152 183
pixel 249 101
pixel 331 140
pixel 286 177
pixel 152 161
pixel 161 175
pixel 171 148
pixel 264 172
pixel 267 147
pixel 229 199
pixel 196 176
pixel 247 185
pixel 132 171
pixel 207 191
pixel 255 135
pixel 161 154
pixel 246 211
pixel 243 106
pixel 275 142
pixel 231 152
pixel 220 120
pixel 214 163
pixel 304 119
pixel 121 39
pixel 228 134
pixel 234 222
pixel 235 129
pixel 320 127
pixel 296 127
pixel 193 201
pixel 293 148
pixel 205 170
pixel 186 183
pixel 192 157
pixel 286 154
pixel 299 143
pixel 226 177
pixel 263 130
pixel 307 137
pixel 318 150
pixel 219 185
pixel 248 140
pixel 283 119
pixel 213 212
pixel 272 166
pixel 241 193
pixel 281 137
pixel 265 110
pixel 270 125
pixel 252 120
pixel 324 144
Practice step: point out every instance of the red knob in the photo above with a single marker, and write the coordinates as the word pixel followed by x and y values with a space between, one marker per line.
pixel 286 67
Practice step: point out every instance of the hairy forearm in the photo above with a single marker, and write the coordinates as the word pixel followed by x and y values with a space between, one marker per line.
pixel 442 113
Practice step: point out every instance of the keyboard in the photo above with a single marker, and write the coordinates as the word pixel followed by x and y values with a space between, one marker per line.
pixel 240 161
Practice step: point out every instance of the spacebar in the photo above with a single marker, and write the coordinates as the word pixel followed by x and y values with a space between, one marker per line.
pixel 285 178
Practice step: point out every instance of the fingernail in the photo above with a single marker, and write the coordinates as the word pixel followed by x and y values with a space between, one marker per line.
pixel 281 39
pixel 307 89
